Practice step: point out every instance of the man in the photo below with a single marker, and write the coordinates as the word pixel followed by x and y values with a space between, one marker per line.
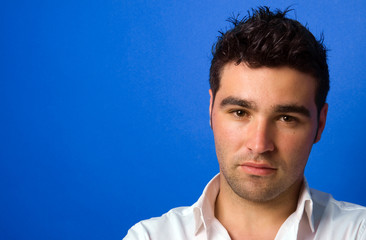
pixel 269 81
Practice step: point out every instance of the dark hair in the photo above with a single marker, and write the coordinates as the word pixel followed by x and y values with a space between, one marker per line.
pixel 270 39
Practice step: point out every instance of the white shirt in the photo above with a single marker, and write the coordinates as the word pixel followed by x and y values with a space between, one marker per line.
pixel 318 216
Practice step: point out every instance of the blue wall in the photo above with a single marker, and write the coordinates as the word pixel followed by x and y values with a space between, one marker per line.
pixel 104 110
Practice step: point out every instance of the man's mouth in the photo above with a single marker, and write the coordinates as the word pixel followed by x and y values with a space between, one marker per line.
pixel 258 169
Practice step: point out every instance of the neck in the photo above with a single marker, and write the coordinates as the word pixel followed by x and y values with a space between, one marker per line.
pixel 242 217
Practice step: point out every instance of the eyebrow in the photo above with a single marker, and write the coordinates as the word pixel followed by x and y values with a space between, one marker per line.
pixel 293 109
pixel 237 101
pixel 290 108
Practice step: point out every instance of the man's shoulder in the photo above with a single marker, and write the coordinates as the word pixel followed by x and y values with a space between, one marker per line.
pixel 175 220
pixel 346 210
pixel 338 217
pixel 341 208
pixel 176 214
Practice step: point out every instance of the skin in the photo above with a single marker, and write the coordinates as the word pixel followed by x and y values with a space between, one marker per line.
pixel 264 122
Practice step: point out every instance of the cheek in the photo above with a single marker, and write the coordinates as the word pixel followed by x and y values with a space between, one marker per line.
pixel 297 147
pixel 227 133
pixel 227 137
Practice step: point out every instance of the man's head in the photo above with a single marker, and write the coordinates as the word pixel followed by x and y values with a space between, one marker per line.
pixel 269 81
pixel 269 39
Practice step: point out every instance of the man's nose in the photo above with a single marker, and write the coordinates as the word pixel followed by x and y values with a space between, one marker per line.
pixel 260 137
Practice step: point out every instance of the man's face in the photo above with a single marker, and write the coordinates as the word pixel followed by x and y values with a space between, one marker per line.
pixel 264 122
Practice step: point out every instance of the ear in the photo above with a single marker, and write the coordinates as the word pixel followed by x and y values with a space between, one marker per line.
pixel 211 105
pixel 211 100
pixel 321 123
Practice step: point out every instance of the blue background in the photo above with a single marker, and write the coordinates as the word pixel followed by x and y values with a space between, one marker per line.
pixel 104 110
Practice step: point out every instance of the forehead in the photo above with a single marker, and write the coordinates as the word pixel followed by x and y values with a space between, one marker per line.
pixel 267 85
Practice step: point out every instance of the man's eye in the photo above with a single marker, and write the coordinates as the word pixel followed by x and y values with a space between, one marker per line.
pixel 287 118
pixel 239 113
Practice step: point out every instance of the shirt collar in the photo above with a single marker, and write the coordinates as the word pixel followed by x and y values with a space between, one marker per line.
pixel 204 208
pixel 305 205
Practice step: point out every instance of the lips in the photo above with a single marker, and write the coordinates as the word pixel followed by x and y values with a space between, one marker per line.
pixel 258 169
